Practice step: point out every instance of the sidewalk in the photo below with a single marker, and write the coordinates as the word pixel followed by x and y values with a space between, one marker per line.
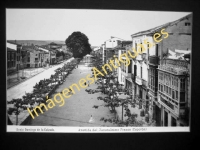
pixel 19 90
pixel 23 75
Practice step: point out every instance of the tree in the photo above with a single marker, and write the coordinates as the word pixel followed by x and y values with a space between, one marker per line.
pixel 112 100
pixel 78 44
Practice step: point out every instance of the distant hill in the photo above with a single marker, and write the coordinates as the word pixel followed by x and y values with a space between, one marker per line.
pixel 37 42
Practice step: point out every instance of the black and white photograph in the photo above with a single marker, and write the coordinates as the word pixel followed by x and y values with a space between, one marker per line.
pixel 98 70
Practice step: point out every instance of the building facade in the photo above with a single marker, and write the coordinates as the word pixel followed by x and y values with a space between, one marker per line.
pixel 173 91
pixel 13 56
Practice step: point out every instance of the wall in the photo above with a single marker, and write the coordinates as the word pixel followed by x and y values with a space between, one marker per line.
pixel 179 36
pixel 12 46
pixel 112 42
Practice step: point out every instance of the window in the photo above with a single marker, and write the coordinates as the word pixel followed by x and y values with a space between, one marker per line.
pixel 169 91
pixel 173 96
pixel 12 56
pixel 161 86
pixel 187 23
pixel 182 96
pixel 135 70
pixel 156 50
pixel 177 82
pixel 176 94
pixel 182 84
pixel 8 56
pixel 161 76
pixel 136 46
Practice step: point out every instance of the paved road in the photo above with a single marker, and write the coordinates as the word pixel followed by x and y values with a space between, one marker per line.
pixel 27 86
pixel 78 108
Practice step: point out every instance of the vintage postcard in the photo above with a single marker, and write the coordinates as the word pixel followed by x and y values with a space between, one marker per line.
pixel 98 71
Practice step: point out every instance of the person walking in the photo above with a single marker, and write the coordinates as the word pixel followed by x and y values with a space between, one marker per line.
pixel 91 119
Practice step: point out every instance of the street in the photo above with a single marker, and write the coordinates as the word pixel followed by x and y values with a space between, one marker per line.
pixel 27 86
pixel 77 109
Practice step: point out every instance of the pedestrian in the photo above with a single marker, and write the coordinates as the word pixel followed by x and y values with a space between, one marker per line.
pixel 85 83
pixel 91 119
pixel 88 83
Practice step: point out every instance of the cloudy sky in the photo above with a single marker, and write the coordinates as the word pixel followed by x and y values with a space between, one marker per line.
pixel 97 25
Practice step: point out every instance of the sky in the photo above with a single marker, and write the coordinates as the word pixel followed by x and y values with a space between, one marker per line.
pixel 97 25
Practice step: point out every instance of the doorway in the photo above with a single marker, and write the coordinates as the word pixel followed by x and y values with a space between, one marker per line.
pixel 173 123
pixel 165 119
pixel 157 115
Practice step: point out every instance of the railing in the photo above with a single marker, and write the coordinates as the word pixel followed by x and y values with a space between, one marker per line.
pixel 174 69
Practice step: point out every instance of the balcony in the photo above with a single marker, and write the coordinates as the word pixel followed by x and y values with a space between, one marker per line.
pixel 138 80
pixel 174 69
pixel 154 60
pixel 144 83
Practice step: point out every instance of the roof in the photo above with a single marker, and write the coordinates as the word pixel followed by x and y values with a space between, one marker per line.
pixel 43 48
pixel 10 49
pixel 52 43
pixel 122 45
pixel 88 55
pixel 153 30
pixel 29 48
pixel 46 47
pixel 13 43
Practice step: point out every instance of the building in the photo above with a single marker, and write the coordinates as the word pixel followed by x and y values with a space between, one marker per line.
pixel 175 41
pixel 108 46
pixel 44 55
pixel 124 72
pixel 173 76
pixel 52 53
pixel 140 69
pixel 98 51
pixel 175 97
pixel 55 46
pixel 32 56
pixel 13 56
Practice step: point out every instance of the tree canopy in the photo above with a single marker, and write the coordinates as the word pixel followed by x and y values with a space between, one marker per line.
pixel 78 44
